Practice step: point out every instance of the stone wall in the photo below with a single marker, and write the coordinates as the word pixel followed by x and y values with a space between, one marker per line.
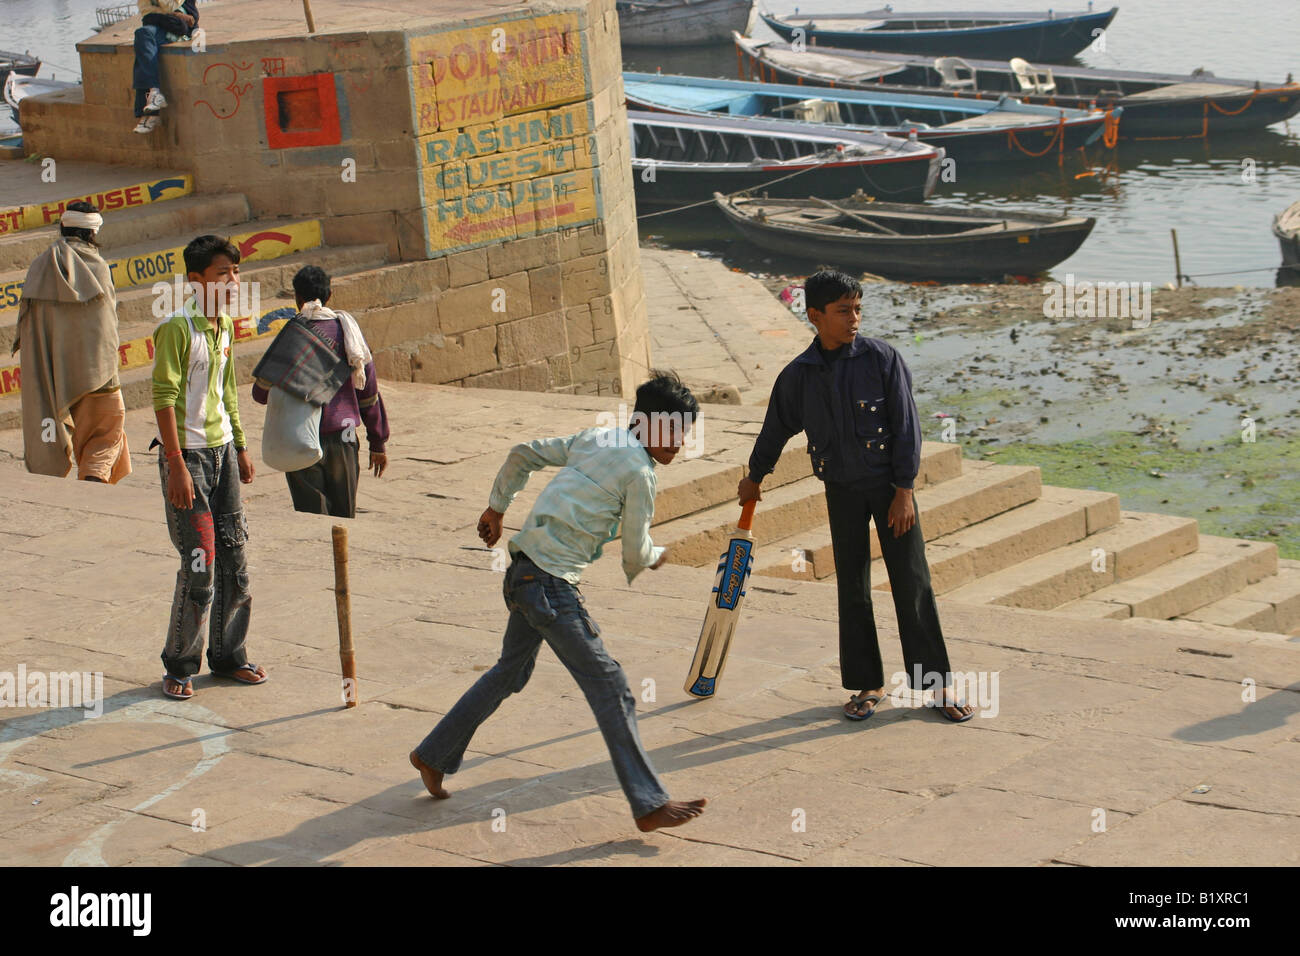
pixel 488 139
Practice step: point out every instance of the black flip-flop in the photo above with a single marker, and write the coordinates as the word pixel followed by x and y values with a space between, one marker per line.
pixel 943 709
pixel 857 703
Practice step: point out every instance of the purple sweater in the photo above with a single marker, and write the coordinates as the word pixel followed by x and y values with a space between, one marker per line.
pixel 348 405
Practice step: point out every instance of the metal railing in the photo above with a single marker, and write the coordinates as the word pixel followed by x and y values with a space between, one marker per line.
pixel 107 16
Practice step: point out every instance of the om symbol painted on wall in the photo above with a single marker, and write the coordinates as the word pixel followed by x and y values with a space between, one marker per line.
pixel 232 93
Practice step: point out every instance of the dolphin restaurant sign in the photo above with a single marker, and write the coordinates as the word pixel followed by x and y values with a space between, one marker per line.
pixel 506 144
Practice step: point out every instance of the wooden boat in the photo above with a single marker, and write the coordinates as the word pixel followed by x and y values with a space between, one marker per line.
pixel 18 87
pixel 677 159
pixel 681 22
pixel 970 130
pixel 22 63
pixel 1286 226
pixel 902 241
pixel 1156 105
pixel 1048 36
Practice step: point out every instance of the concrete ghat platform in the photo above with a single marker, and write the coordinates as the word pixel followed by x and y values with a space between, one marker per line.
pixel 1123 717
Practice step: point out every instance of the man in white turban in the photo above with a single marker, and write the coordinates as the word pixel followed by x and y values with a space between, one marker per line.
pixel 67 336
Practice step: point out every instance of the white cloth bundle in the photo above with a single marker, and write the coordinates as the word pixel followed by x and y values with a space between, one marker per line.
pixel 354 343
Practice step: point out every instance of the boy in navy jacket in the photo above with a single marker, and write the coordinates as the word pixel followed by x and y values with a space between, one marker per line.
pixel 853 397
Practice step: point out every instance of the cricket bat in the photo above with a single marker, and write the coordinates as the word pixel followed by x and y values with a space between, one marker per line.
pixel 724 609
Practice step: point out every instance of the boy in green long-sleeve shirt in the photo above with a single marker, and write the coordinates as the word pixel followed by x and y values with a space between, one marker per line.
pixel 202 459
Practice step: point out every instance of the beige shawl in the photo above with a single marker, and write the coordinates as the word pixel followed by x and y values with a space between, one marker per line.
pixel 67 333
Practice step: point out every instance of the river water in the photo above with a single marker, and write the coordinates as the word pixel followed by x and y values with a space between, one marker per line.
pixel 1223 222
pixel 1197 188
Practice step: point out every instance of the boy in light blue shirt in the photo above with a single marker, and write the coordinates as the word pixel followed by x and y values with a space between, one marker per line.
pixel 606 478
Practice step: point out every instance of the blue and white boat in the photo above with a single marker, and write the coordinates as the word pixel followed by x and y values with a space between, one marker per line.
pixel 999 129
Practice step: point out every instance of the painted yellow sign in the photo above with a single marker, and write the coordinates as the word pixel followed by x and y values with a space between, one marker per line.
pixel 161 264
pixel 36 215
pixel 480 74
pixel 505 131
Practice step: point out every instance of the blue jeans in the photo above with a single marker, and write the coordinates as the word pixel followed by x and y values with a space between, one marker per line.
pixel 544 607
pixel 212 583
pixel 145 76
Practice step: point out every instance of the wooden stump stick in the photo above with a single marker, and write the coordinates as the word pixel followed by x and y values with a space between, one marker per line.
pixel 311 23
pixel 1178 262
pixel 343 606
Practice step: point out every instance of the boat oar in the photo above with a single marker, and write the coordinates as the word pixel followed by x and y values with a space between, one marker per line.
pixel 852 215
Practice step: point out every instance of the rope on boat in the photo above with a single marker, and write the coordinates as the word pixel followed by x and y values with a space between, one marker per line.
pixel 1205 113
pixel 1220 109
pixel 1057 140
pixel 1235 272
pixel 1110 130
pixel 709 202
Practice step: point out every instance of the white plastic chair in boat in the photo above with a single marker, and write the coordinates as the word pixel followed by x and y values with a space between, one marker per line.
pixel 813 111
pixel 1032 79
pixel 947 67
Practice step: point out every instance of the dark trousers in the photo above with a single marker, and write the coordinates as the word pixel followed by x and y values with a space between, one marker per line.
pixel 850 507
pixel 329 487
pixel 212 583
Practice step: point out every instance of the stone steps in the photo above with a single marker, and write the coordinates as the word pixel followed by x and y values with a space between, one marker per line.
pixel 1271 604
pixel 142 264
pixel 191 215
pixel 1217 569
pixel 1060 517
pixel 982 490
pixel 786 509
pixel 1138 544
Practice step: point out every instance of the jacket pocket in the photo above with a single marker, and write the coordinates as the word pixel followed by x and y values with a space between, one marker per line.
pixel 819 453
pixel 870 418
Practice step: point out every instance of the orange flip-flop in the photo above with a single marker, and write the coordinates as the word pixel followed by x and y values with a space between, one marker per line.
pixel 236 675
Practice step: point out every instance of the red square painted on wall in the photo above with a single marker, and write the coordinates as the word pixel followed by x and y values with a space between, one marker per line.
pixel 301 110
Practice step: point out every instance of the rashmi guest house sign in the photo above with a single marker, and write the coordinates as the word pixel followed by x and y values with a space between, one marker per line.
pixel 504 125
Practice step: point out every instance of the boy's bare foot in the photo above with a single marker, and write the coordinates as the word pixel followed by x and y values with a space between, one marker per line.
pixel 432 778
pixel 672 814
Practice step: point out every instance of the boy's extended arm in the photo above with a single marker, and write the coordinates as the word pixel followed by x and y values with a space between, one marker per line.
pixel 639 552
pixel 523 460
pixel 904 423
pixel 783 419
